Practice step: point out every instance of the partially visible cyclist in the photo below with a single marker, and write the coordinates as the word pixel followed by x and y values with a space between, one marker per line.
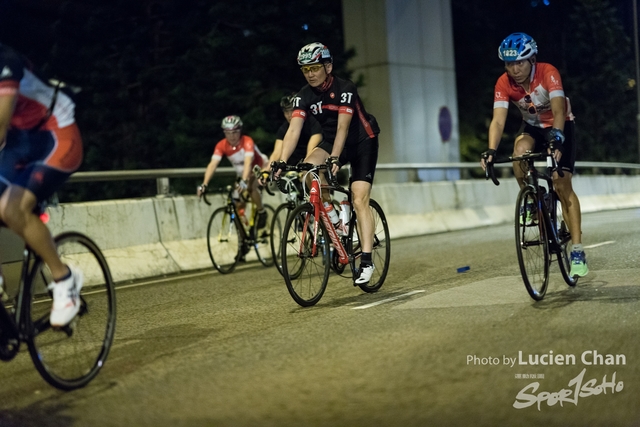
pixel 310 135
pixel 40 147
pixel 350 136
pixel 535 88
pixel 243 155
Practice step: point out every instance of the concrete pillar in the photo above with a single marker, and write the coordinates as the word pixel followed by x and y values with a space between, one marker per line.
pixel 404 53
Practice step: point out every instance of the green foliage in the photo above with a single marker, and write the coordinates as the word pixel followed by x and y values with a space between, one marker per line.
pixel 159 76
pixel 599 67
pixel 584 39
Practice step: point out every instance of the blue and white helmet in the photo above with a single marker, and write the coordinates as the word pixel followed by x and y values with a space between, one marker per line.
pixel 516 47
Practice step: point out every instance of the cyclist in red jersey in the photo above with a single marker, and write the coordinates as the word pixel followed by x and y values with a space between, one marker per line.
pixel 40 147
pixel 536 89
pixel 350 136
pixel 243 155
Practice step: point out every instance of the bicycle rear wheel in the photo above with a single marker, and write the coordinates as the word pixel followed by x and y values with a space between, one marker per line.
pixel 381 253
pixel 532 244
pixel 306 264
pixel 277 229
pixel 262 237
pixel 564 256
pixel 70 357
pixel 223 240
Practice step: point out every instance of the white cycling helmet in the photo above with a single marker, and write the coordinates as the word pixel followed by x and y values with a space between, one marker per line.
pixel 314 53
pixel 231 123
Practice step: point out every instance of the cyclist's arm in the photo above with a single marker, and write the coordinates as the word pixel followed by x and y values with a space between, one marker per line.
pixel 314 141
pixel 276 154
pixel 211 169
pixel 559 113
pixel 7 106
pixel 248 166
pixel 344 120
pixel 496 129
pixel 291 137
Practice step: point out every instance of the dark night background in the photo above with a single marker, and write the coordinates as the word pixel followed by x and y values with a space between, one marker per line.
pixel 157 76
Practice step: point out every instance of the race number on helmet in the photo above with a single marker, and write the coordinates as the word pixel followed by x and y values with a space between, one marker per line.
pixel 516 47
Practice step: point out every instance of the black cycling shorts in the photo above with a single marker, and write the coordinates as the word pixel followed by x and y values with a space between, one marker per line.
pixel 363 157
pixel 568 160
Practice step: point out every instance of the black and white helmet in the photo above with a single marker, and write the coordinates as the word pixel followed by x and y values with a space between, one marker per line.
pixel 314 53
pixel 231 123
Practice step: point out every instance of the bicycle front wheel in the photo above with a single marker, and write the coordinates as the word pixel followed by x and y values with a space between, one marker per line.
pixel 381 253
pixel 532 243
pixel 223 240
pixel 306 260
pixel 262 237
pixel 70 357
pixel 564 255
pixel 277 228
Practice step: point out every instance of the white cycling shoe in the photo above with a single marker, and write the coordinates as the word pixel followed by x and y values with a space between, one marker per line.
pixel 365 275
pixel 66 299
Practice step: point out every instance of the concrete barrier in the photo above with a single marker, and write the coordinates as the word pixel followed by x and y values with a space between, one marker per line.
pixel 157 236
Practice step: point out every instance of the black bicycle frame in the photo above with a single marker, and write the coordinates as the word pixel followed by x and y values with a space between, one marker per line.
pixel 12 323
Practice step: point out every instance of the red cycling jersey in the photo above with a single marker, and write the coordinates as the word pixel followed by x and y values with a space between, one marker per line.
pixel 545 85
pixel 236 154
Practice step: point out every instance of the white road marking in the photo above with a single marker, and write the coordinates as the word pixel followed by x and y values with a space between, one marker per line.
pixel 595 245
pixel 373 304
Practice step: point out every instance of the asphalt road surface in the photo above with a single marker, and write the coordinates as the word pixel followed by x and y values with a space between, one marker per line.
pixel 433 347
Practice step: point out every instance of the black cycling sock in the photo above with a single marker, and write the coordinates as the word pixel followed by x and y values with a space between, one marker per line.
pixel 366 259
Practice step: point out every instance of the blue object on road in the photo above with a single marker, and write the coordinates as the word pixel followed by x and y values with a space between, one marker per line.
pixel 464 269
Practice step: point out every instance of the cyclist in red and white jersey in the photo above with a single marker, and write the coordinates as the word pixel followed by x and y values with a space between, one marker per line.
pixel 40 147
pixel 243 155
pixel 535 88
pixel 350 136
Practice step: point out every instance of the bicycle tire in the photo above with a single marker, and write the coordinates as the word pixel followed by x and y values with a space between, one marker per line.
pixel 261 241
pixel 381 254
pixel 564 255
pixel 68 358
pixel 532 244
pixel 277 226
pixel 309 268
pixel 223 240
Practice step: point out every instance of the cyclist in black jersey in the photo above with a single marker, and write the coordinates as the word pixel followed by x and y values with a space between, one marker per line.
pixel 350 136
pixel 310 135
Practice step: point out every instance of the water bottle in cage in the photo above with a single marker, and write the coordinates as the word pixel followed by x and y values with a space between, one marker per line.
pixel 345 213
pixel 333 216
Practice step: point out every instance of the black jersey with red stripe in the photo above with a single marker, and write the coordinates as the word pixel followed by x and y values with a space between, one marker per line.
pixel 341 97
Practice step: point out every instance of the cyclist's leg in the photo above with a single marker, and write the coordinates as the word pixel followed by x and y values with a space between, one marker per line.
pixel 46 159
pixel 524 142
pixel 570 203
pixel 564 187
pixel 363 159
pixel 317 157
pixel 254 192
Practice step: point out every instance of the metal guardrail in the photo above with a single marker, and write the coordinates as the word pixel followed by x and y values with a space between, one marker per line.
pixel 162 176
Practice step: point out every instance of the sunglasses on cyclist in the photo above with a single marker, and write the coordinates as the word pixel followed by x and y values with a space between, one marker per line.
pixel 311 68
pixel 532 108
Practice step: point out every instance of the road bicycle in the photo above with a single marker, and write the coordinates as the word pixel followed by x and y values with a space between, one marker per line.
pixel 71 356
pixel 540 229
pixel 311 245
pixel 231 234
pixel 290 185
